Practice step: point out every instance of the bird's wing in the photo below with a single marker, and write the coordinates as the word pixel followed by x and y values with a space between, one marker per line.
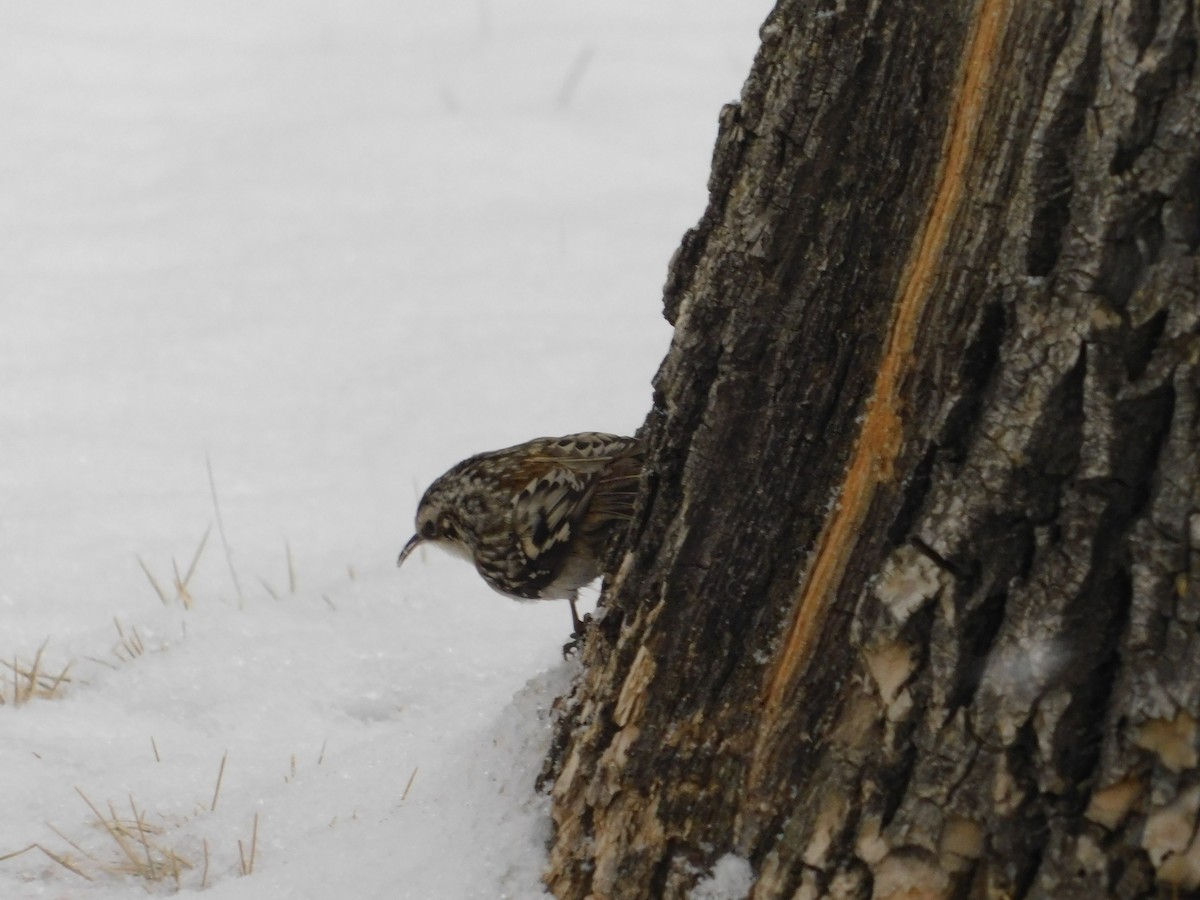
pixel 548 509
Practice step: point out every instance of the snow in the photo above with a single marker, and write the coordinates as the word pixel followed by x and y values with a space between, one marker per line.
pixel 731 879
pixel 326 250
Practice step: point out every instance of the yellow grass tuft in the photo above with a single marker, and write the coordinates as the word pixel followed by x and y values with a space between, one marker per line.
pixel 30 681
pixel 129 646
pixel 138 848
pixel 181 583
pixel 141 852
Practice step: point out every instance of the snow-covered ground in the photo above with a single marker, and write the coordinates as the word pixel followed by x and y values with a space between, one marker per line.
pixel 322 250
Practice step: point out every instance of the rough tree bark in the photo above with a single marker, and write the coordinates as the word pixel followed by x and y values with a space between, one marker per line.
pixel 912 608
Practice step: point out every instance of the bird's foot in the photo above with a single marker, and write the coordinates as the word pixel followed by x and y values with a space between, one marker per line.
pixel 574 645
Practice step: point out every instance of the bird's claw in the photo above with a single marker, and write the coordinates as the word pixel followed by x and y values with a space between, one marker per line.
pixel 573 646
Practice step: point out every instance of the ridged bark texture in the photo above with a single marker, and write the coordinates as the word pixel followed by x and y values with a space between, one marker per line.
pixel 912 607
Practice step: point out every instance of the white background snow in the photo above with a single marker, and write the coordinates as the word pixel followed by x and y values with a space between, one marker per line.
pixel 330 249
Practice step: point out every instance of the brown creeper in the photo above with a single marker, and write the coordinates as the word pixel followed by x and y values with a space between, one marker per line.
pixel 535 519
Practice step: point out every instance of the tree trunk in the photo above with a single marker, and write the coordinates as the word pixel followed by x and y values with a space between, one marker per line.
pixel 912 606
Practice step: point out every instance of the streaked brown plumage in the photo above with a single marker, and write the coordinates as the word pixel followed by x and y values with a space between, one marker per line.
pixel 535 519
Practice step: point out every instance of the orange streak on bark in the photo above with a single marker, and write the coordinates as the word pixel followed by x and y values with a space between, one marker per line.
pixel 882 436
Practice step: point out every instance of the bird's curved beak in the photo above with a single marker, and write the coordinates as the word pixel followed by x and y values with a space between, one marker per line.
pixel 408 548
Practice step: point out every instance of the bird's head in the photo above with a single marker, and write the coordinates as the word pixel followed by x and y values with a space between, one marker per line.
pixel 438 522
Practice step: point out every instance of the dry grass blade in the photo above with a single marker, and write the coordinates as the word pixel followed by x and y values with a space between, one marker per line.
pixel 191 570
pixel 79 849
pixel 65 863
pixel 408 787
pixel 17 853
pixel 141 829
pixel 35 668
pixel 181 589
pixel 173 861
pixel 17 672
pixel 254 843
pixel 204 877
pixel 220 775
pixel 158 589
pixel 291 564
pixel 60 679
pixel 61 860
pixel 247 864
pixel 212 484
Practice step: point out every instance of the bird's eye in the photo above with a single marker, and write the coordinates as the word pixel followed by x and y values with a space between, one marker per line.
pixel 429 529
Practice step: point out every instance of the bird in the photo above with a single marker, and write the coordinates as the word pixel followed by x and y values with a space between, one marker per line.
pixel 536 519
